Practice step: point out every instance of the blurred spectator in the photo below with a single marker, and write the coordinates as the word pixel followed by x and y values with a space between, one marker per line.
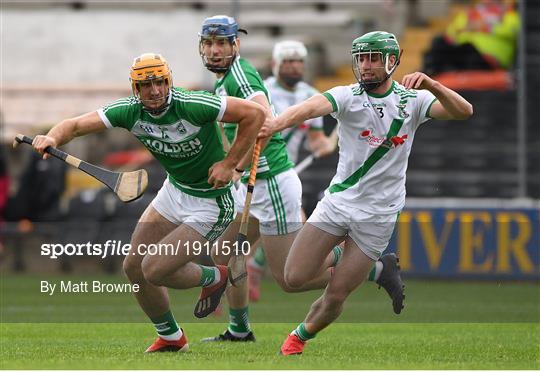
pixel 4 184
pixel 40 188
pixel 484 37
pixel 4 189
pixel 414 18
pixel 37 200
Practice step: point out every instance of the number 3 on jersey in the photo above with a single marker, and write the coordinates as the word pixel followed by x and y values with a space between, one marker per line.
pixel 381 113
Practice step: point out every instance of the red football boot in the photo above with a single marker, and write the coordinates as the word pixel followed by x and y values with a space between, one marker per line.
pixel 211 296
pixel 292 345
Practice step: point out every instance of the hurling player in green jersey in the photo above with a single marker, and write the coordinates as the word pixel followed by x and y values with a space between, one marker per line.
pixel 195 204
pixel 377 120
pixel 277 196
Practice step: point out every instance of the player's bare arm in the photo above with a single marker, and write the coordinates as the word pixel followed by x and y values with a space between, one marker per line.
pixel 68 129
pixel 263 102
pixel 250 117
pixel 450 105
pixel 314 107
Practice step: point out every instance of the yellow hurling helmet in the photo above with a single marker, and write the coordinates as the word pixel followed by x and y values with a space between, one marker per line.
pixel 149 67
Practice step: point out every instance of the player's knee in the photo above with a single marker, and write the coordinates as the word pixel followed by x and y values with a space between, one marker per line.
pixel 284 286
pixel 132 269
pixel 151 273
pixel 293 280
pixel 279 277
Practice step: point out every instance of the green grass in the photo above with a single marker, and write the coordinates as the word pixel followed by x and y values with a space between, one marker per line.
pixel 342 346
pixel 426 301
pixel 445 325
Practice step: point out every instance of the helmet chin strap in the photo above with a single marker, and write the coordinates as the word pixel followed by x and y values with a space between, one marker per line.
pixel 369 86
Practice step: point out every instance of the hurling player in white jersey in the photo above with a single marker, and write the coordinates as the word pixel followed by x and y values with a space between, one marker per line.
pixel 377 120
pixel 286 89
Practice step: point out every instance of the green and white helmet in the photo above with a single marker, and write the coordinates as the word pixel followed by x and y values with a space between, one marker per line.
pixel 381 42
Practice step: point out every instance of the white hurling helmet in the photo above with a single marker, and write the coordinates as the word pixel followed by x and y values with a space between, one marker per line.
pixel 288 49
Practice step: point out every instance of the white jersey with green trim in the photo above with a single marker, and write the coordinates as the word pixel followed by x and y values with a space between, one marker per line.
pixel 282 99
pixel 376 132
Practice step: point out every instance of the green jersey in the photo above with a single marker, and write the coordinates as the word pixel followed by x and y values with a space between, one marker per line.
pixel 243 81
pixel 185 138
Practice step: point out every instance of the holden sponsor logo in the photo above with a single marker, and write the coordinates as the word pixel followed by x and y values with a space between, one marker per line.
pixel 182 150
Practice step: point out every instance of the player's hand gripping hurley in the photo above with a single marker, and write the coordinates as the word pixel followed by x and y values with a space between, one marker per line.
pixel 128 186
pixel 237 263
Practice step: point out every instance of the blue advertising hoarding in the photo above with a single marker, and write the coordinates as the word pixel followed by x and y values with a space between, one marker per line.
pixel 483 243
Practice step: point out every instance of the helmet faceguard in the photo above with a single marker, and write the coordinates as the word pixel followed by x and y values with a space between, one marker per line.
pixel 219 27
pixel 288 50
pixel 151 68
pixel 381 43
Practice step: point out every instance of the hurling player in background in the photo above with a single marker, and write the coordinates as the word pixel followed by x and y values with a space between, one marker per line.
pixel 287 88
pixel 277 196
pixel 275 212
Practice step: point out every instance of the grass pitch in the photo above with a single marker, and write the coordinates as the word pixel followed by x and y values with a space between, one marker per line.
pixel 445 325
pixel 342 346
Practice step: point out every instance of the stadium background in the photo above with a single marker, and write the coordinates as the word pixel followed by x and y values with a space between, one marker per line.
pixel 469 237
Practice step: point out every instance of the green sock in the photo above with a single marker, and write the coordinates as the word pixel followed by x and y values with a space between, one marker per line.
pixel 338 252
pixel 166 326
pixel 239 322
pixel 302 334
pixel 375 271
pixel 209 275
pixel 259 258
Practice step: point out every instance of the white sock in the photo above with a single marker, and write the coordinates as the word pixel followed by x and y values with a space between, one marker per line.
pixel 378 270
pixel 173 337
pixel 237 334
pixel 217 277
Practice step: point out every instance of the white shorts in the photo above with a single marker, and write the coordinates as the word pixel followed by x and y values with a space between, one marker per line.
pixel 371 232
pixel 208 216
pixel 276 203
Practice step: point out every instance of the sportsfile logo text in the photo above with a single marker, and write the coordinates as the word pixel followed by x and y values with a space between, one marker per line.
pixel 116 248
